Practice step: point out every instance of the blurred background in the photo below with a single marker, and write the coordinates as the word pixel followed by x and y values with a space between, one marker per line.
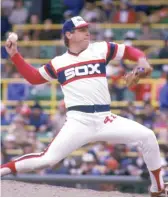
pixel 31 116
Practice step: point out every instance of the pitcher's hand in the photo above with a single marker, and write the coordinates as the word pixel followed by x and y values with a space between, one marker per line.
pixel 11 47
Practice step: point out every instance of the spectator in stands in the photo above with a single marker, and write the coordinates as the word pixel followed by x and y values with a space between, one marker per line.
pixel 164 163
pixel 17 91
pixel 25 112
pixel 90 167
pixel 5 117
pixel 34 20
pixel 7 70
pixel 163 96
pixel 130 36
pixel 125 14
pixel 60 117
pixel 126 114
pixel 92 13
pixel 4 54
pixel 68 14
pixel 137 167
pixel 29 51
pixel 47 33
pixel 74 6
pixel 94 35
pixel 18 107
pixel 147 33
pixel 108 35
pixel 18 130
pixel 159 16
pixel 7 6
pixel 161 120
pixel 19 14
pixel 112 165
pixel 109 10
pixel 5 25
pixel 142 92
pixel 164 51
pixel 28 148
pixel 71 164
pixel 38 119
pixel 37 145
pixel 148 115
pixel 59 168
pixel 117 88
pixel 161 126
pixel 3 155
pixel 9 142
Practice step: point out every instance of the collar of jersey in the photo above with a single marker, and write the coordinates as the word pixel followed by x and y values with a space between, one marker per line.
pixel 75 54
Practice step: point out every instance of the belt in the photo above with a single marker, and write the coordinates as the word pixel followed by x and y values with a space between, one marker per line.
pixel 90 108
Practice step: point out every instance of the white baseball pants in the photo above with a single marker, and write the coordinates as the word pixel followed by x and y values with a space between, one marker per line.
pixel 82 128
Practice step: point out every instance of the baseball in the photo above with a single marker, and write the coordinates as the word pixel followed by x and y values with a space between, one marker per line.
pixel 13 37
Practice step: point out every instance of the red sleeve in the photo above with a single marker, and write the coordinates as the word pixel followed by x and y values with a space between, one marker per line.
pixel 132 53
pixel 31 74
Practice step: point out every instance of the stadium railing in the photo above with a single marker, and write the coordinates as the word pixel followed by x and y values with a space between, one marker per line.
pixel 98 25
pixel 37 43
pixel 139 2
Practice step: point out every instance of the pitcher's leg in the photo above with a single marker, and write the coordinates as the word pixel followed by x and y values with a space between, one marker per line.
pixel 125 131
pixel 72 136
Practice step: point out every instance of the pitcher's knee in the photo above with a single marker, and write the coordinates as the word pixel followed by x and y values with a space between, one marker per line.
pixel 148 134
pixel 51 161
pixel 150 138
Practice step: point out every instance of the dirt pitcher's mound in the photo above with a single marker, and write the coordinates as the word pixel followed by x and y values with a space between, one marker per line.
pixel 21 189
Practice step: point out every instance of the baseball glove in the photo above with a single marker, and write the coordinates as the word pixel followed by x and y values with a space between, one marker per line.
pixel 133 77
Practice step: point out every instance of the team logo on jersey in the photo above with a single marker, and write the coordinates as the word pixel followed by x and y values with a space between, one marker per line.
pixel 83 70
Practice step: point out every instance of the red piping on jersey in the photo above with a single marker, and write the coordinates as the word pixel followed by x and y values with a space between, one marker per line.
pixel 81 77
pixel 81 63
pixel 31 74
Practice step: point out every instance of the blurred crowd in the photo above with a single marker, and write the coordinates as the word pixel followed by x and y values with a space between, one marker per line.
pixel 95 12
pixel 28 129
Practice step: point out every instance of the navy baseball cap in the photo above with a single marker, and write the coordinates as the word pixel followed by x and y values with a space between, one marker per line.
pixel 74 23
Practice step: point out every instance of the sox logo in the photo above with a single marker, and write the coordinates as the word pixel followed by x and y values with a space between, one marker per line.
pixel 82 70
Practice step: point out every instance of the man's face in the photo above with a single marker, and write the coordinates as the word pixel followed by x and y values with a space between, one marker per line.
pixel 80 36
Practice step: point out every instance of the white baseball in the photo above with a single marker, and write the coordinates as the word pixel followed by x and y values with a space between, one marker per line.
pixel 13 37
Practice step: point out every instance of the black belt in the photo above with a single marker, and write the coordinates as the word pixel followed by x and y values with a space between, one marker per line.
pixel 90 108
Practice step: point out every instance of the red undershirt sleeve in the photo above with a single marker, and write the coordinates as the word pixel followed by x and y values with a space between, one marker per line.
pixel 132 53
pixel 31 74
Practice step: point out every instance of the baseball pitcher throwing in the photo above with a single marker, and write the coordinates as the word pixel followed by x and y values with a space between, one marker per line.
pixel 81 72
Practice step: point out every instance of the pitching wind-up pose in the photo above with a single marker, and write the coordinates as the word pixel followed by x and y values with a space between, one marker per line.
pixel 81 71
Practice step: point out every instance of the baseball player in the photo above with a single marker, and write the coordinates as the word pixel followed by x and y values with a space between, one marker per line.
pixel 81 72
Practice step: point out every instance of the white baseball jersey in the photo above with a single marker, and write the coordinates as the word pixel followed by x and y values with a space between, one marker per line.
pixel 83 76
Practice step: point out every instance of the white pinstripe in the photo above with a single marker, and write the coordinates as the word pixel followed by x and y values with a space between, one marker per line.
pixel 44 74
pixel 120 52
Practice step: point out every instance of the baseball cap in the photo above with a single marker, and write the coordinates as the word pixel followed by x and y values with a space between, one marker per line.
pixel 74 23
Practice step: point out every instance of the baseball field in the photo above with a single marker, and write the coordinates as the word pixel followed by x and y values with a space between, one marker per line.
pixel 21 189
